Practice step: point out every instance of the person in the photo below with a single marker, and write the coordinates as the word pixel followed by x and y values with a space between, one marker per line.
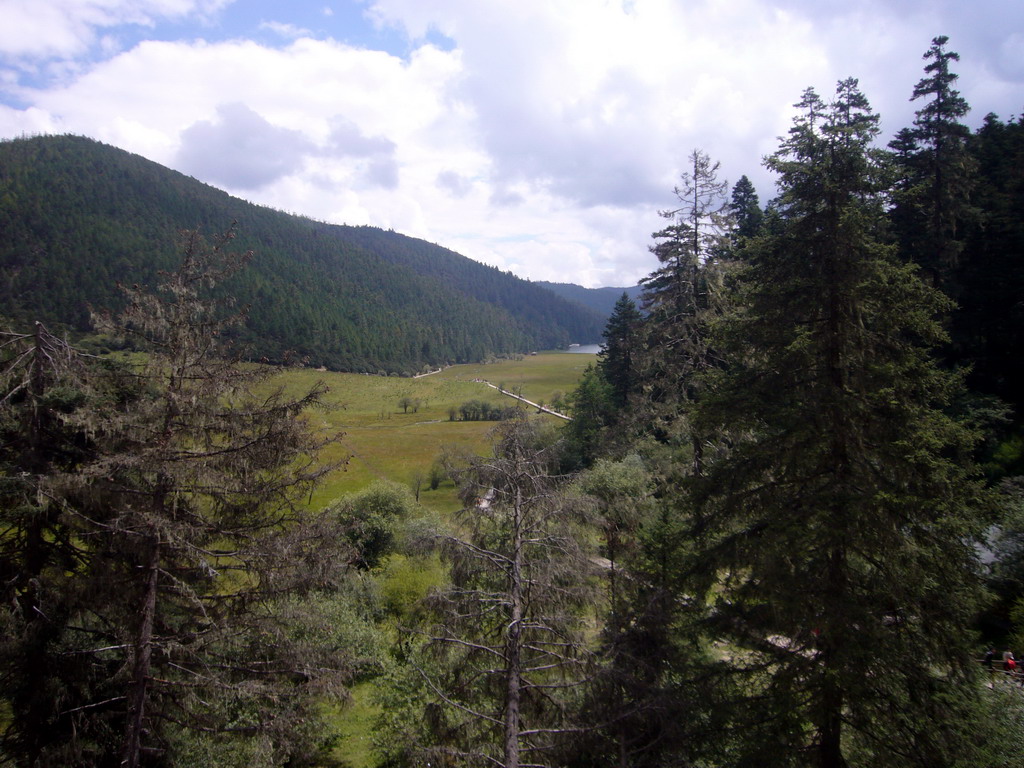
pixel 990 655
pixel 1007 658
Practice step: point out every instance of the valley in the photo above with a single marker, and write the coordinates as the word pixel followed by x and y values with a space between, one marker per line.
pixel 383 442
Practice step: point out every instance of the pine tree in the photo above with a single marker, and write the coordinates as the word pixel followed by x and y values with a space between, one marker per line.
pixel 647 702
pixel 936 173
pixel 746 209
pixel 834 529
pixel 621 342
pixel 43 383
pixel 681 298
pixel 593 411
pixel 507 637
pixel 184 522
pixel 988 328
pixel 688 246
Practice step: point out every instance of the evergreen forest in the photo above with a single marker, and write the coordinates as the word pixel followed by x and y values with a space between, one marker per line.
pixel 600 299
pixel 78 217
pixel 783 527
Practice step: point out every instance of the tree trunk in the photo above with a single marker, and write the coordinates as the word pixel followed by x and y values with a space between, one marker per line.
pixel 833 695
pixel 513 643
pixel 137 694
pixel 830 746
pixel 35 464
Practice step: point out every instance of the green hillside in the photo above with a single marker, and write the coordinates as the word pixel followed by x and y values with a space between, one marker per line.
pixel 79 216
pixel 600 300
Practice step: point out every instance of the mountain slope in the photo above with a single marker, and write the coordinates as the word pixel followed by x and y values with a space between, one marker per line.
pixel 78 216
pixel 601 300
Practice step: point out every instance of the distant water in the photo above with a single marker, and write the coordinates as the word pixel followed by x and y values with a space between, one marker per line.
pixel 586 349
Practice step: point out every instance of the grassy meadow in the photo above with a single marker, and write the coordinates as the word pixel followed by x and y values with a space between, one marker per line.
pixel 382 441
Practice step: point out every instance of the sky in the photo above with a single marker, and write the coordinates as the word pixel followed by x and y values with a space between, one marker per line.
pixel 540 136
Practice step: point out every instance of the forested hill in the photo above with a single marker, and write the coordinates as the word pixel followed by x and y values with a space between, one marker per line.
pixel 599 299
pixel 78 216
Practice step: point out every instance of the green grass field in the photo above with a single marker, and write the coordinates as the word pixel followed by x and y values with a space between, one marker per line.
pixel 382 442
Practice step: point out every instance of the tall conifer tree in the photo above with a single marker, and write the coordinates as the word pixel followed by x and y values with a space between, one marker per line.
pixel 43 383
pixel 506 634
pixel 746 209
pixel 936 173
pixel 621 341
pixel 681 297
pixel 834 533
pixel 170 494
pixel 988 328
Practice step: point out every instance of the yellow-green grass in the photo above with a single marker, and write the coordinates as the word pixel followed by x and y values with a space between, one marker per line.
pixel 354 723
pixel 383 440
pixel 535 377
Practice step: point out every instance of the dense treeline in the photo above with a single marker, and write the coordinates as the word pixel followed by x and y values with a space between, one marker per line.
pixel 789 458
pixel 525 301
pixel 823 398
pixel 78 217
pixel 987 282
pixel 480 410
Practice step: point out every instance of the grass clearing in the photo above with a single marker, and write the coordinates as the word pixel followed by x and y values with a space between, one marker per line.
pixel 384 440
pixel 354 721
pixel 535 377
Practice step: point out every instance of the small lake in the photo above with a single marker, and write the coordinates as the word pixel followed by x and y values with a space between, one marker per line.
pixel 585 349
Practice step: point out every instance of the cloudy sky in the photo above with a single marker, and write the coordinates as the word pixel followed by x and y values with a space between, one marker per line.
pixel 541 136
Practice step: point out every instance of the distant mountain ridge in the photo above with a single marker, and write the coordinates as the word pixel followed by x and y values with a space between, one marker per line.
pixel 78 216
pixel 600 300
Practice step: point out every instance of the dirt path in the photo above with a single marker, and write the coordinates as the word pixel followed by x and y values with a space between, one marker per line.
pixel 520 398
pixel 428 373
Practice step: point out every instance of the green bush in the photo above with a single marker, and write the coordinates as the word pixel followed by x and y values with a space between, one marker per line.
pixel 406 581
pixel 371 519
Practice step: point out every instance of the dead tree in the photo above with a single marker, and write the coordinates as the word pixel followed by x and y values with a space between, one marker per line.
pixel 506 637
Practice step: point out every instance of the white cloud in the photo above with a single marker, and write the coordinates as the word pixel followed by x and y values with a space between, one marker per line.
pixel 240 149
pixel 455 183
pixel 600 104
pixel 286 31
pixel 26 122
pixel 66 28
pixel 347 139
